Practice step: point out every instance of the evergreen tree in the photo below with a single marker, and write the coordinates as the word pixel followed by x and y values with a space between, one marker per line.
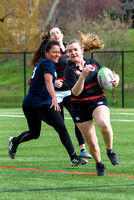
pixel 127 7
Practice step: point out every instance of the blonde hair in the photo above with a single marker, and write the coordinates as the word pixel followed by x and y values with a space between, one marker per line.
pixel 90 42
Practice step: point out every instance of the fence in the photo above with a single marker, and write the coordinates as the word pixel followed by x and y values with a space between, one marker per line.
pixel 112 61
pixel 15 71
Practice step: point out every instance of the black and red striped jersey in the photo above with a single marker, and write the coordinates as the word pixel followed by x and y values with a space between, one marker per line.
pixel 92 91
pixel 60 69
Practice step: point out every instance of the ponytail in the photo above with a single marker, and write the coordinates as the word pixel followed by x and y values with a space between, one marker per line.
pixel 46 45
pixel 39 53
pixel 45 36
pixel 90 42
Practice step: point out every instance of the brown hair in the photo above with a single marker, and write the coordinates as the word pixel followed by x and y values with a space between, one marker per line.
pixel 75 41
pixel 90 42
pixel 45 35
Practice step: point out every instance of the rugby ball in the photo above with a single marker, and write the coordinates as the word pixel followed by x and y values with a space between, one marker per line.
pixel 104 78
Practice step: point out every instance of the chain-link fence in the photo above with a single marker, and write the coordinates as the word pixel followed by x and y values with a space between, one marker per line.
pixel 15 71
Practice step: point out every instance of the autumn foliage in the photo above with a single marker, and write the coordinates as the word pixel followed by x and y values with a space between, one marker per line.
pixel 22 21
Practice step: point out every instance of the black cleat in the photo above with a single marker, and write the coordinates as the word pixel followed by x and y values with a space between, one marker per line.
pixel 113 158
pixel 11 148
pixel 100 169
pixel 78 161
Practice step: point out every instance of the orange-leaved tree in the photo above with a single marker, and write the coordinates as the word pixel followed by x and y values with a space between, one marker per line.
pixel 22 21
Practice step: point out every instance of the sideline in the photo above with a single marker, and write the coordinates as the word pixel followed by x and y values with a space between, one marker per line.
pixel 69 172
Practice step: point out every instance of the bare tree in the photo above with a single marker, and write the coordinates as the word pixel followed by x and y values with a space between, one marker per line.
pixel 51 12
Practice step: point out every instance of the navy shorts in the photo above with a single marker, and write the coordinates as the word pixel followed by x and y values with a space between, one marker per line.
pixel 84 113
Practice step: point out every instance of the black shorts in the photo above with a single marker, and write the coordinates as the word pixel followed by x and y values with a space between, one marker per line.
pixel 84 113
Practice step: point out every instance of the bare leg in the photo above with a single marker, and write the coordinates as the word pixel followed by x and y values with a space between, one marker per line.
pixel 88 131
pixel 101 116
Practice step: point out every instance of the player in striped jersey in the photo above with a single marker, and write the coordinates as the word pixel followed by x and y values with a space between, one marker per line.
pixel 87 100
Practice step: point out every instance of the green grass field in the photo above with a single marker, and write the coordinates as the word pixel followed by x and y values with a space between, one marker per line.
pixel 42 170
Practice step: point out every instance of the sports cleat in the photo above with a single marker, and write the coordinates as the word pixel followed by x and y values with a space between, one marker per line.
pixel 78 161
pixel 113 158
pixel 100 169
pixel 85 154
pixel 11 148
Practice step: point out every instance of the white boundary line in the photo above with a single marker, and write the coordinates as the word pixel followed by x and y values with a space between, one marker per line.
pixel 11 116
pixel 122 113
pixel 22 116
pixel 119 120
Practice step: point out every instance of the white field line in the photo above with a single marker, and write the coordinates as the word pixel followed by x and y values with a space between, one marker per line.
pixel 15 115
pixel 114 120
pixel 118 120
pixel 122 113
pixel 11 116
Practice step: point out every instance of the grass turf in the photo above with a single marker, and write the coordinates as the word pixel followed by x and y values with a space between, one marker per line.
pixel 47 153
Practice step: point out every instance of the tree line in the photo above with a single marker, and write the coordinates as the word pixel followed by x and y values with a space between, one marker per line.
pixel 22 21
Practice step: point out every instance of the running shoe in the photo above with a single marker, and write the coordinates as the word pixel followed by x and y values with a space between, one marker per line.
pixel 11 148
pixel 78 161
pixel 85 154
pixel 100 168
pixel 113 158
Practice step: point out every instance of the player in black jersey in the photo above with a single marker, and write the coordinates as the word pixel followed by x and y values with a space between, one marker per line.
pixel 41 102
pixel 63 92
pixel 88 101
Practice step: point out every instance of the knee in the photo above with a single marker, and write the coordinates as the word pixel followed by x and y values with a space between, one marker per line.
pixel 61 129
pixel 93 143
pixel 34 135
pixel 104 124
